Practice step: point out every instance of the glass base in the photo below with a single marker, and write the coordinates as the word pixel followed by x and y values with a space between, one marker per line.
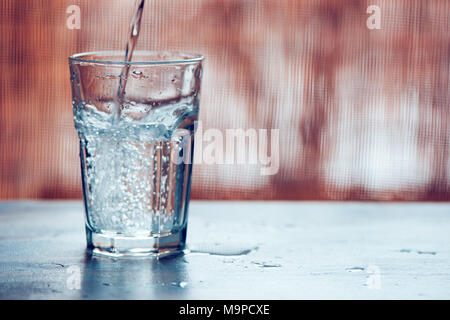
pixel 121 246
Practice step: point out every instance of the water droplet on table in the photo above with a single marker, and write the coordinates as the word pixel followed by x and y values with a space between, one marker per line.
pixel 181 284
pixel 355 269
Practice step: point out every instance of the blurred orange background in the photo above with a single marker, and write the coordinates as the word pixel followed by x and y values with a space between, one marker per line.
pixel 363 114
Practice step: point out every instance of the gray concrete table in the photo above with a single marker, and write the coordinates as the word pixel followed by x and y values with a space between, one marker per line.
pixel 239 250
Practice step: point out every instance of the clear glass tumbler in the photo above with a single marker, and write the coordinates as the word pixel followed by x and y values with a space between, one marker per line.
pixel 136 148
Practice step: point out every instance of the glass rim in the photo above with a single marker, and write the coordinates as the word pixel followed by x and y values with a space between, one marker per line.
pixel 190 57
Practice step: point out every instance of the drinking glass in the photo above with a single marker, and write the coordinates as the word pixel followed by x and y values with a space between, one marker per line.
pixel 135 122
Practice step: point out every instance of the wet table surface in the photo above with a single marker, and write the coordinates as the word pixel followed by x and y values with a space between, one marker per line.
pixel 238 250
